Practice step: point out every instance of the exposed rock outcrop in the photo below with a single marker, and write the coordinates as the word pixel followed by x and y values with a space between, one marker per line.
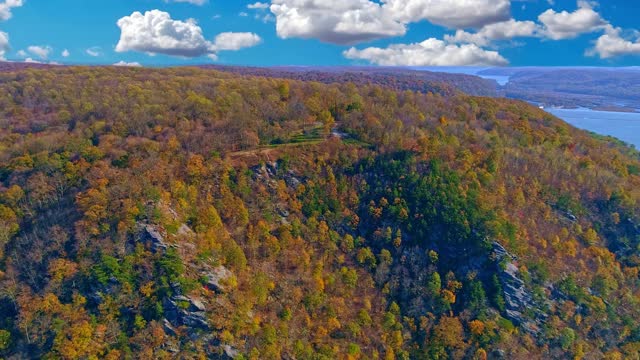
pixel 517 298
pixel 230 352
pixel 155 237
pixel 183 310
pixel 151 236
pixel 217 278
pixel 569 216
pixel 271 170
pixel 168 328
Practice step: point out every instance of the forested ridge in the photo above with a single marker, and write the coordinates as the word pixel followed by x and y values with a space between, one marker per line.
pixel 390 77
pixel 593 88
pixel 191 213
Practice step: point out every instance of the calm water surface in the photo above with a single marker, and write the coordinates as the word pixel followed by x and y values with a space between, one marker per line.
pixel 624 126
pixel 500 79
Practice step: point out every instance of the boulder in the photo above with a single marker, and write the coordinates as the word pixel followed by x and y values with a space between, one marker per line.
pixel 292 181
pixel 272 168
pixel 216 278
pixel 153 238
pixel 194 304
pixel 230 352
pixel 498 354
pixel 197 305
pixel 183 310
pixel 269 172
pixel 168 329
pixel 282 211
pixel 570 216
pixel 195 320
pixel 172 348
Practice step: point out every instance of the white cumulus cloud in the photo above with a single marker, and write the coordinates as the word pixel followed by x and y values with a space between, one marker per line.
pixel 65 53
pixel 235 41
pixel 40 51
pixel 4 44
pixel 334 21
pixel 155 32
pixel 7 6
pixel 258 5
pixel 568 25
pixel 613 44
pixel 431 52
pixel 505 30
pixel 127 64
pixel 457 14
pixel 260 12
pixel 32 61
pixel 354 21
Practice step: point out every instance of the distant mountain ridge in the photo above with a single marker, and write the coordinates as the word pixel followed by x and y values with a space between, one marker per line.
pixel 573 87
pixel 609 88
pixel 394 77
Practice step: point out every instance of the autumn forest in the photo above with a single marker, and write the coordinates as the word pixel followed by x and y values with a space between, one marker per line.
pixel 199 213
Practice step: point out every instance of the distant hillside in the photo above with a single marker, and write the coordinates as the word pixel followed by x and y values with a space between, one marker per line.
pixel 573 87
pixel 15 66
pixel 396 78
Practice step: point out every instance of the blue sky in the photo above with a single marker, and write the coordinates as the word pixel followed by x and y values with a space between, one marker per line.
pixel 322 32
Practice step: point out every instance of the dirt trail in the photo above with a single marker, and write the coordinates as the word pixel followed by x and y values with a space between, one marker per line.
pixel 268 153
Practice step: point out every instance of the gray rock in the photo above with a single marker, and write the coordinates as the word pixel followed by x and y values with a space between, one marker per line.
pixel 269 171
pixel 517 298
pixel 172 348
pixel 532 328
pixel 501 252
pixel 185 230
pixel 183 310
pixel 272 168
pixel 151 236
pixel 217 277
pixel 570 216
pixel 171 311
pixel 180 298
pixel 230 351
pixel 197 305
pixel 291 180
pixel 194 304
pixel 168 328
pixel 195 320
pixel 282 211
pixel 176 287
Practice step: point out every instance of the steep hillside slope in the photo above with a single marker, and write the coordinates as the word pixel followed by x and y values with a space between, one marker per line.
pixel 187 212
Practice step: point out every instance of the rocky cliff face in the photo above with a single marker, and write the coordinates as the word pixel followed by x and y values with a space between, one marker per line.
pixel 518 299
pixel 185 314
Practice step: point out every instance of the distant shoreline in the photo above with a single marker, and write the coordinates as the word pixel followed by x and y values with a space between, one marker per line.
pixel 605 108
pixel 621 109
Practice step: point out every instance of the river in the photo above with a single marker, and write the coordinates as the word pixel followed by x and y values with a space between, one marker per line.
pixel 624 126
